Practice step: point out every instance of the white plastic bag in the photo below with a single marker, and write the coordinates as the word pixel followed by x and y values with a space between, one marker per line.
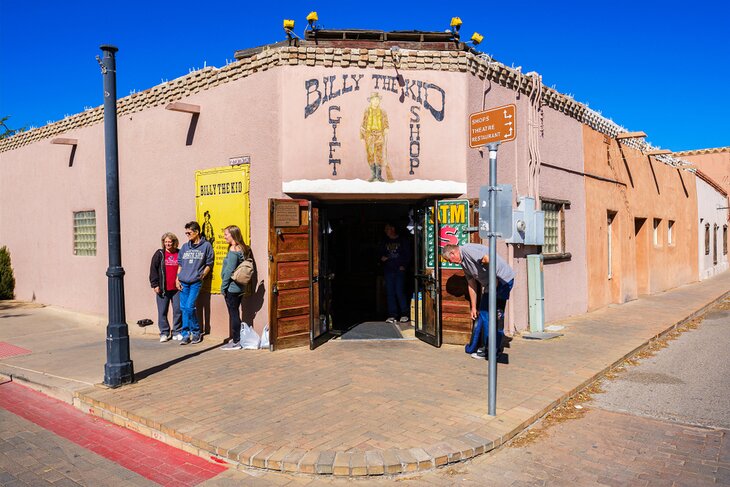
pixel 265 338
pixel 249 338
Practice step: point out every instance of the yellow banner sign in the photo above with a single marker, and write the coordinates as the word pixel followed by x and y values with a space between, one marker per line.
pixel 222 198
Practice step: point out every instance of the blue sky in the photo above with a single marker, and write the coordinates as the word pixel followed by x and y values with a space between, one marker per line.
pixel 660 67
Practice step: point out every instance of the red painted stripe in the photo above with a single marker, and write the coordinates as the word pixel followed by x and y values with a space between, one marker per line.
pixel 8 350
pixel 148 457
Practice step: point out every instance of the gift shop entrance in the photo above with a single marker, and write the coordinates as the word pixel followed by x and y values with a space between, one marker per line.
pixel 327 271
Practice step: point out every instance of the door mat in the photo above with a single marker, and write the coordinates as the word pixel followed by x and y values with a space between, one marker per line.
pixel 373 330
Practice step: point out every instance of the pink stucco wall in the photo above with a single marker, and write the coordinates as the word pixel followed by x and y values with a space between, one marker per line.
pixel 157 188
pixel 561 146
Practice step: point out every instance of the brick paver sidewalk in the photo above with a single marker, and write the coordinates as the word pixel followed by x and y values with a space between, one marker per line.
pixel 357 408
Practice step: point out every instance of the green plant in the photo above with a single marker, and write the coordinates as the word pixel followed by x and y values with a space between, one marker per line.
pixel 7 280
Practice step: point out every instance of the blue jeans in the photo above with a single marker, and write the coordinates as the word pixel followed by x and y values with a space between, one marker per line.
pixel 188 297
pixel 395 293
pixel 481 327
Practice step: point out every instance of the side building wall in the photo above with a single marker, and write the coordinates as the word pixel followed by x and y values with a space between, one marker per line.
pixel 632 201
pixel 561 150
pixel 157 190
pixel 712 218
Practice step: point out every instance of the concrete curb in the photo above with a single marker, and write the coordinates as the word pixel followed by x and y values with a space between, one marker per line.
pixel 355 463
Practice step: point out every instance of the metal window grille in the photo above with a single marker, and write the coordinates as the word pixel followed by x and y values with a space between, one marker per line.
pixel 707 239
pixel 85 233
pixel 724 239
pixel 553 227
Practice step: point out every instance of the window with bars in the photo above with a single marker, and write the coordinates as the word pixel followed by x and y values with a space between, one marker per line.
pixel 85 232
pixel 554 211
pixel 724 239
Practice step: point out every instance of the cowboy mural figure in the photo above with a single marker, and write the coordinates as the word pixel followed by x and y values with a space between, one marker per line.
pixel 374 132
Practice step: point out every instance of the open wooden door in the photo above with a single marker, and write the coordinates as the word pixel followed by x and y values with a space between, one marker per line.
pixel 427 275
pixel 293 248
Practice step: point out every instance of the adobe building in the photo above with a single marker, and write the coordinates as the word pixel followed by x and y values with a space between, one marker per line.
pixel 312 146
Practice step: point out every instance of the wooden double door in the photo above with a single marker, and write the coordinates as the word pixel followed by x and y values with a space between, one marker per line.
pixel 303 278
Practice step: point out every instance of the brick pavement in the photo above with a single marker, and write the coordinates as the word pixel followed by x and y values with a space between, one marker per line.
pixel 354 408
pixel 144 456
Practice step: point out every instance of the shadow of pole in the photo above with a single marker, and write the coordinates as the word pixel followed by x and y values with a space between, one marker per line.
pixel 138 376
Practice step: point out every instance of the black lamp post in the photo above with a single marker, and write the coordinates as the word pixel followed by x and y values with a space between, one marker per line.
pixel 118 369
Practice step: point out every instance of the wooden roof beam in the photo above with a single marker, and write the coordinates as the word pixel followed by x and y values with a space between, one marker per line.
pixel 658 152
pixel 630 135
pixel 183 107
pixel 65 141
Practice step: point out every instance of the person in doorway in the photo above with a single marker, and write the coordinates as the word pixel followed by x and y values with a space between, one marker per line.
pixel 163 271
pixel 231 290
pixel 195 261
pixel 474 260
pixel 374 132
pixel 395 255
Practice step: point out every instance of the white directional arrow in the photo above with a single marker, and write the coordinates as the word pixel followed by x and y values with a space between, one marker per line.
pixel 507 115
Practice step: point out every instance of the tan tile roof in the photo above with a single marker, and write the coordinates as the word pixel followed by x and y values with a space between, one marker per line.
pixel 698 152
pixel 268 57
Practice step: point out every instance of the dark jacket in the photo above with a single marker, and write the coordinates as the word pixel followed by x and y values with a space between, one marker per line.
pixel 157 271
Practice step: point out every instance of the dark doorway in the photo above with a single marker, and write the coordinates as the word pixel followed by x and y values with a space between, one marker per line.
pixel 352 237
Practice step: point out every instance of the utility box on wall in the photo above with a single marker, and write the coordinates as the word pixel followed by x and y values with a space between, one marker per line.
pixel 535 293
pixel 529 224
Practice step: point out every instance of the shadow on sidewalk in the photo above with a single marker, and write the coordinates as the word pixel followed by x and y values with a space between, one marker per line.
pixel 143 374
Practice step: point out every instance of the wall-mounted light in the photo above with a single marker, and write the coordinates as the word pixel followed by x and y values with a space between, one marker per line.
pixel 476 38
pixel 455 26
pixel 312 19
pixel 289 29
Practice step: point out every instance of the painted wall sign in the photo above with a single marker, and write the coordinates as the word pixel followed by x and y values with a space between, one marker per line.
pixel 222 198
pixel 375 123
pixel 353 131
pixel 237 161
pixel 454 220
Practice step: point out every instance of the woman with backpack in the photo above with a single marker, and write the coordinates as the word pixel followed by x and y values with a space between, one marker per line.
pixel 163 271
pixel 232 291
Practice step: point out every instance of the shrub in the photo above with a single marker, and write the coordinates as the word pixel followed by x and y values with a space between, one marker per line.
pixel 7 280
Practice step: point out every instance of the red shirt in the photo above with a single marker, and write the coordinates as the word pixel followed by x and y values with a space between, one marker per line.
pixel 170 270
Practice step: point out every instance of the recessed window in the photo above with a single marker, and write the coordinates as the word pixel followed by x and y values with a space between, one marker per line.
pixel 670 232
pixel 611 216
pixel 85 233
pixel 724 239
pixel 707 239
pixel 657 234
pixel 554 211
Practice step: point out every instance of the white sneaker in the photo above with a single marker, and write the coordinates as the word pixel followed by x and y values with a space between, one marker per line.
pixel 390 320
pixel 164 338
pixel 177 336
pixel 404 319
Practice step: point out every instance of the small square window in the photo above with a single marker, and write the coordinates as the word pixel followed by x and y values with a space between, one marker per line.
pixel 85 233
pixel 554 212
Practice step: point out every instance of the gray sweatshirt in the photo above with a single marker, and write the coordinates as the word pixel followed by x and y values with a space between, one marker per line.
pixel 192 259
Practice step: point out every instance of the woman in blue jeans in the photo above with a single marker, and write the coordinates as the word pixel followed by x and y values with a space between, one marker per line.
pixel 195 261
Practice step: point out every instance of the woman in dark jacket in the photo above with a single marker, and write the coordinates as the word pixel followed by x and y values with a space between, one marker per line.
pixel 231 290
pixel 163 271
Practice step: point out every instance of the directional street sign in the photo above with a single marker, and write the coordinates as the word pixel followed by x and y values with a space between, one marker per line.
pixel 493 125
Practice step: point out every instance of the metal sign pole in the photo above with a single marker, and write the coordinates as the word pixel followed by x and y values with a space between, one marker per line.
pixel 492 333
